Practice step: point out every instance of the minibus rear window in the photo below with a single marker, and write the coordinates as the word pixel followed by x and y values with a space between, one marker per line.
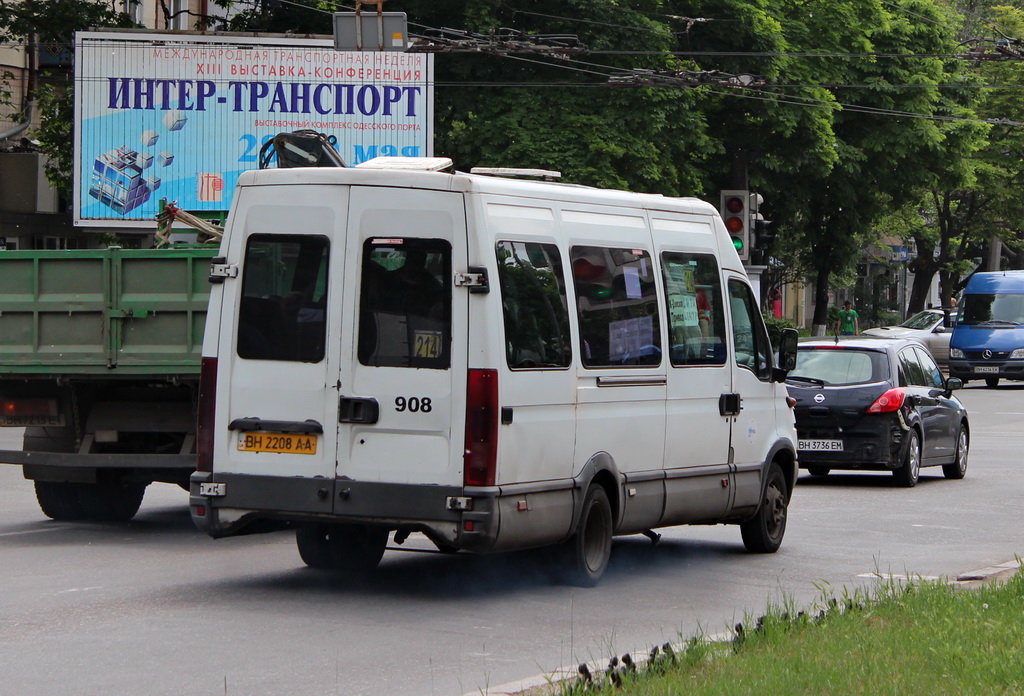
pixel 282 312
pixel 618 306
pixel 405 303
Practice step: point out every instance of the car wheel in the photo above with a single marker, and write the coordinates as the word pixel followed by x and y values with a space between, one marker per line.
pixel 958 469
pixel 818 470
pixel 584 557
pixel 764 531
pixel 991 382
pixel 908 474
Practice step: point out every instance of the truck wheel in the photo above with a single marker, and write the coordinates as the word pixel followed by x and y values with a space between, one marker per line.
pixel 991 382
pixel 59 500
pixel 585 555
pixel 348 547
pixel 764 531
pixel 111 502
pixel 818 470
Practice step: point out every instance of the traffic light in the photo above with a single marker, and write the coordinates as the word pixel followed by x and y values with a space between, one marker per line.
pixel 735 210
pixel 764 235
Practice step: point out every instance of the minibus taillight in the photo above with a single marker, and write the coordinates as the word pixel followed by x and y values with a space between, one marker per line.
pixel 888 402
pixel 205 412
pixel 481 455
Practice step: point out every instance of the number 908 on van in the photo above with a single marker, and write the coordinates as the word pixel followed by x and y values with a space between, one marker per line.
pixel 496 364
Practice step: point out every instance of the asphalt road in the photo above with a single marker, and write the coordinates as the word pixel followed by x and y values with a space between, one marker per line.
pixel 155 607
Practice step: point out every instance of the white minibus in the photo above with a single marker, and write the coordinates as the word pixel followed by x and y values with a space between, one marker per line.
pixel 494 363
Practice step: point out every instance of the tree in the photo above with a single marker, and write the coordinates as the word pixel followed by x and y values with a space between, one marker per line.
pixel 562 114
pixel 981 197
pixel 29 23
pixel 881 159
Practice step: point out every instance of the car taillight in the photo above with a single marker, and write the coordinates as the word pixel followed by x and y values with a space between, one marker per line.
pixel 205 413
pixel 888 402
pixel 480 459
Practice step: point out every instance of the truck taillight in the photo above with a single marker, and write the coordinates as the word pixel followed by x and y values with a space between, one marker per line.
pixel 481 455
pixel 205 413
pixel 22 408
pixel 888 402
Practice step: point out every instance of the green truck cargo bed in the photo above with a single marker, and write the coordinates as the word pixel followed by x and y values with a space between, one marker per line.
pixel 108 312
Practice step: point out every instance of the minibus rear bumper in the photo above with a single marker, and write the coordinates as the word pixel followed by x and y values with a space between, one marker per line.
pixel 461 517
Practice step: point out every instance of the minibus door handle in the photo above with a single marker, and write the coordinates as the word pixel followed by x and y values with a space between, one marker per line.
pixel 730 404
pixel 356 409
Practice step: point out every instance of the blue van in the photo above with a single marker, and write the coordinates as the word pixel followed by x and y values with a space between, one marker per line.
pixel 988 339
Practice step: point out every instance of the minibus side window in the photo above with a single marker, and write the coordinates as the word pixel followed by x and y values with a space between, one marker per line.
pixel 696 315
pixel 534 305
pixel 282 311
pixel 753 351
pixel 617 303
pixel 405 303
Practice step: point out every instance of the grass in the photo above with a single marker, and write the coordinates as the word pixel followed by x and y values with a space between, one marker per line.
pixel 924 638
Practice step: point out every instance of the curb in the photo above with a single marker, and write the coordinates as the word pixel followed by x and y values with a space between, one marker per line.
pixel 547 684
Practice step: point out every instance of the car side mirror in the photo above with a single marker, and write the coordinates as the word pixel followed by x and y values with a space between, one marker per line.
pixel 954 383
pixel 787 354
pixel 939 329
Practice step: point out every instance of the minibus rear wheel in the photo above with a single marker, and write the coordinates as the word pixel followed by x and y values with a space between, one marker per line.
pixel 586 553
pixel 348 547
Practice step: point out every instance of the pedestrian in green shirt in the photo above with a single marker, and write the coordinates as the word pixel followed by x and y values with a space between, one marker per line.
pixel 848 324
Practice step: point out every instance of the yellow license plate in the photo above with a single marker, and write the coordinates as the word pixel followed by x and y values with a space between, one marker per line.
pixel 284 443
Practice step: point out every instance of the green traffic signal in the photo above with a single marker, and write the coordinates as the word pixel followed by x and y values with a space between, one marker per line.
pixel 738 243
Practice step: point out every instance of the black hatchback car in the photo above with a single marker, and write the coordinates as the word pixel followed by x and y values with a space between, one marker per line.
pixel 876 404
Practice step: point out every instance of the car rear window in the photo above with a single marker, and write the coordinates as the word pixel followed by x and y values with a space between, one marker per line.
pixel 841 365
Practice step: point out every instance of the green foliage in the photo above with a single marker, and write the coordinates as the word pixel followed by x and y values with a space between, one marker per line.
pixel 53 22
pixel 905 637
pixel 56 134
pixel 56 21
pixel 775 325
pixel 299 17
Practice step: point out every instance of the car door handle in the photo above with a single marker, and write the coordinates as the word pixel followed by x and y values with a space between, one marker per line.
pixel 356 409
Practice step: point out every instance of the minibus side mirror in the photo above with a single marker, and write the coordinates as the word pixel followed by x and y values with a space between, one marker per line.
pixel 787 354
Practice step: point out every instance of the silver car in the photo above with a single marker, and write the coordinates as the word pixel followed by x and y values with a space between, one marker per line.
pixel 932 327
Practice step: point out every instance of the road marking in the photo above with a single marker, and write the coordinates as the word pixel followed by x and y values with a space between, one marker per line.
pixel 898 576
pixel 80 589
pixel 29 531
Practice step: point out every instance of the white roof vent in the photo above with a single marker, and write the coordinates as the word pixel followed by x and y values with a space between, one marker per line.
pixel 511 171
pixel 418 164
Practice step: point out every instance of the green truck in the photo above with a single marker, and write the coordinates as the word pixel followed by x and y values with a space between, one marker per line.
pixel 99 363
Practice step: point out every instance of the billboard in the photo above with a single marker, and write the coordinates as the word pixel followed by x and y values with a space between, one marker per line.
pixel 178 117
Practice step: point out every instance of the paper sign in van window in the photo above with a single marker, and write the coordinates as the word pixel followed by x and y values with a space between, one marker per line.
pixel 631 276
pixel 386 241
